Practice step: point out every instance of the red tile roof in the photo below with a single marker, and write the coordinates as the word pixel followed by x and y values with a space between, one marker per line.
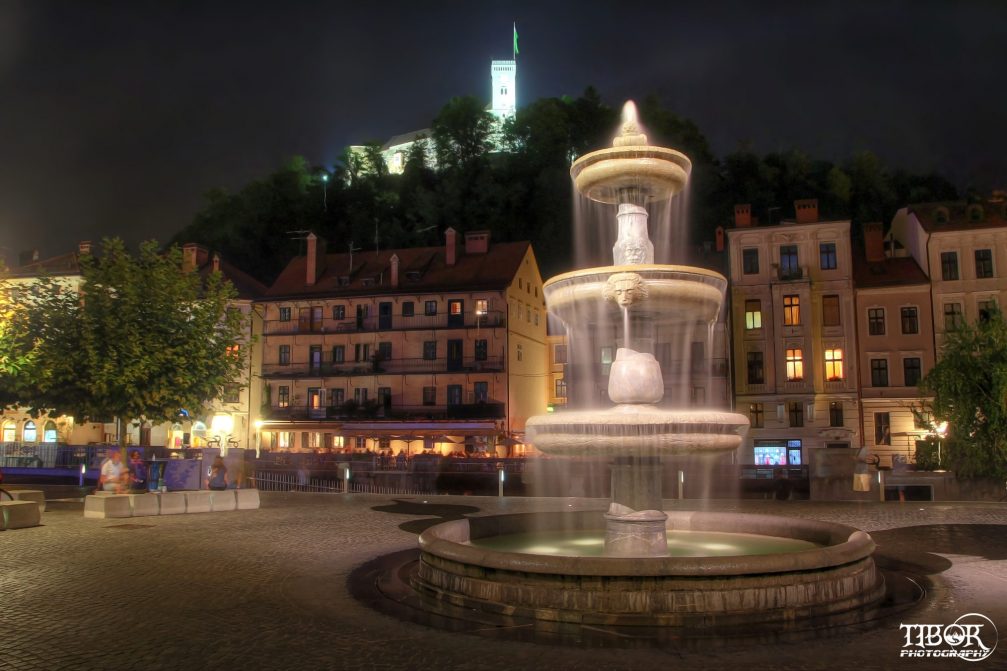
pixel 421 270
pixel 900 271
pixel 991 215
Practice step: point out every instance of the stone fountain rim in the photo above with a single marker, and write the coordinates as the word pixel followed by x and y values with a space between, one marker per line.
pixel 631 152
pixel 842 545
pixel 641 269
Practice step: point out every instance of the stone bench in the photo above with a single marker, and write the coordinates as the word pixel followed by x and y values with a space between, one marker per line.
pixel 36 495
pixel 144 505
pixel 172 503
pixel 19 514
pixel 222 500
pixel 247 499
pixel 197 501
pixel 105 505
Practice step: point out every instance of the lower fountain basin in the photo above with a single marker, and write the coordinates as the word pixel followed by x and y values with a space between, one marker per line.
pixel 636 431
pixel 838 575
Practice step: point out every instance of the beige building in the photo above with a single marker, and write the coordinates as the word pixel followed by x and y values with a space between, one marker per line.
pixel 442 348
pixel 896 337
pixel 793 335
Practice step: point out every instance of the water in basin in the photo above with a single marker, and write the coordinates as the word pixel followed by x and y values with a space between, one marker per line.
pixel 681 543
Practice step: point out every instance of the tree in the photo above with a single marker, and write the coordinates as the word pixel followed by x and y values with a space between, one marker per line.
pixel 143 339
pixel 969 389
pixel 462 133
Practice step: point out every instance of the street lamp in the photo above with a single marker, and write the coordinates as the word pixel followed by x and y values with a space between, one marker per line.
pixel 942 430
pixel 325 191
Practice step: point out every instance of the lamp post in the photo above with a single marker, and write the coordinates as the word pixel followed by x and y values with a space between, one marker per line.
pixel 325 192
pixel 941 430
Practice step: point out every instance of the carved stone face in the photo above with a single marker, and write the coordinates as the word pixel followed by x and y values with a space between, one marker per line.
pixel 625 289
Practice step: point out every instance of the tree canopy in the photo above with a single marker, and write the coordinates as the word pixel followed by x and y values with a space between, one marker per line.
pixel 969 389
pixel 143 339
pixel 514 181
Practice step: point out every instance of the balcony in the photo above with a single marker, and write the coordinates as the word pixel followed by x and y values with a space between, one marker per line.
pixel 404 366
pixel 371 324
pixel 469 409
pixel 790 274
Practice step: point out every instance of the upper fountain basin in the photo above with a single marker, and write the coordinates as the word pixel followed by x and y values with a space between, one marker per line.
pixel 637 174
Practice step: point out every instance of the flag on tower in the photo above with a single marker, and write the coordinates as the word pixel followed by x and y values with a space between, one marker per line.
pixel 516 52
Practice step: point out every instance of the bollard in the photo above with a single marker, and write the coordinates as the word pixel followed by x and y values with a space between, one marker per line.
pixel 501 474
pixel 881 486
pixel 83 469
pixel 346 479
pixel 681 485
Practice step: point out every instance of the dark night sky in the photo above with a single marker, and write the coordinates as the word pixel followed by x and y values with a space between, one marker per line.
pixel 116 116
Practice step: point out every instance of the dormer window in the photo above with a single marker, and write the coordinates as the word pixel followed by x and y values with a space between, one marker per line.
pixel 367 282
pixel 975 213
pixel 413 275
pixel 344 280
pixel 941 216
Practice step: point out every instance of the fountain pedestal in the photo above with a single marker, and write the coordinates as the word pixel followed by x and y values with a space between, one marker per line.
pixel 635 533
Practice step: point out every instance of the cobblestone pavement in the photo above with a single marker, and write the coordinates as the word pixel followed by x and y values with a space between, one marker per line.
pixel 266 589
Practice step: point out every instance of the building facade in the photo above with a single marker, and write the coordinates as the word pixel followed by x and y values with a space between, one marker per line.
pixel 432 348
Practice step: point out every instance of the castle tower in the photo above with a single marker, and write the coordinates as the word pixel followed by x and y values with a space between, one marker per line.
pixel 504 77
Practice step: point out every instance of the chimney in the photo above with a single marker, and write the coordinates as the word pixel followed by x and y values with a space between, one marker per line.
pixel 84 247
pixel 450 246
pixel 190 256
pixel 874 242
pixel 806 210
pixel 719 233
pixel 743 215
pixel 477 242
pixel 216 263
pixel 395 270
pixel 315 263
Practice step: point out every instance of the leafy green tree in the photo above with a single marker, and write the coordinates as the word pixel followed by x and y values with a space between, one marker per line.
pixel 143 339
pixel 462 133
pixel 17 346
pixel 969 390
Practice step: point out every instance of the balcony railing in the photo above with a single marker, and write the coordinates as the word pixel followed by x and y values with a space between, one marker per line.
pixel 405 366
pixel 419 322
pixel 790 274
pixel 469 409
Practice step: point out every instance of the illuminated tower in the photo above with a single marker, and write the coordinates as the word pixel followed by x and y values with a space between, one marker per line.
pixel 504 76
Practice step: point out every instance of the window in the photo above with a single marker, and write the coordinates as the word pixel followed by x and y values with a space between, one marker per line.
pixel 753 314
pixel 750 261
pixel 339 312
pixel 952 316
pixel 756 415
pixel 454 394
pixel 430 350
pixel 385 396
pixel 29 434
pixel 283 397
pixel 284 355
pixel 408 309
pixel 796 411
pixel 362 352
pixel 536 317
pixel 284 314
pixel 835 413
pixel 876 321
pixel 791 310
pixel 482 306
pixel 910 321
pixel 527 314
pixel 384 350
pixel 480 391
pixel 481 350
pixel 337 397
pixel 795 365
pixel 756 372
pixel 788 261
pixel 559 354
pixel 827 255
pixel 455 308
pixel 984 263
pixel 283 439
pixel 830 311
pixel 985 309
pixel 949 266
pixel 233 351
pixel 911 371
pixel 232 393
pixel 879 372
pixel 882 428
pixel 429 395
pixel 834 364
pixel 520 352
pixel 360 395
pixel 560 388
pixel 338 353
pixel 430 308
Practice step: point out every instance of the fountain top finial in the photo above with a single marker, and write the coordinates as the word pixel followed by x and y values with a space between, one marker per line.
pixel 630 133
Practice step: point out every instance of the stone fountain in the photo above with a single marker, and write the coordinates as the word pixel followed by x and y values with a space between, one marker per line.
pixel 720 571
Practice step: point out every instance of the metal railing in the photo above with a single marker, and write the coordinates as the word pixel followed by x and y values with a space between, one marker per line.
pixel 395 366
pixel 397 322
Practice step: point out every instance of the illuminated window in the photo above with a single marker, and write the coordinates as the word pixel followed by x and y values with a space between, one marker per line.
pixel 756 415
pixel 233 350
pixel 9 432
pixel 882 428
pixel 792 310
pixel 833 365
pixel 455 308
pixel 283 440
pixel 830 311
pixel 876 321
pixel 30 433
pixel 482 306
pixel 795 365
pixel 753 314
pixel 283 396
